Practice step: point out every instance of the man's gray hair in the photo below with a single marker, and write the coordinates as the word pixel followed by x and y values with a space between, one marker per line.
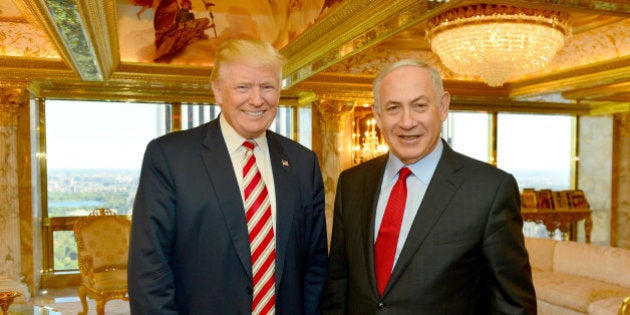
pixel 435 77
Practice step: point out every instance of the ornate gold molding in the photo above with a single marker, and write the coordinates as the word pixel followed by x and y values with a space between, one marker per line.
pixel 10 99
pixel 354 26
pixel 83 32
pixel 623 124
pixel 606 108
pixel 358 38
pixel 610 71
pixel 334 114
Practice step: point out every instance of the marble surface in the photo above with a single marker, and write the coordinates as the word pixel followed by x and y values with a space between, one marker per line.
pixel 9 211
pixel 595 173
pixel 335 123
pixel 27 309
pixel 11 273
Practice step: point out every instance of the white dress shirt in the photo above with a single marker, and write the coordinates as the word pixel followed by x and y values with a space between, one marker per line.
pixel 234 143
pixel 417 182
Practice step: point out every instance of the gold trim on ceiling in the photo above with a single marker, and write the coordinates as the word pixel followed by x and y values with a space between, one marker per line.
pixel 607 108
pixel 79 30
pixel 602 73
pixel 348 31
pixel 354 26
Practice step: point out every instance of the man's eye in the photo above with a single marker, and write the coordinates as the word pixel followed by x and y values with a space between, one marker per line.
pixel 420 106
pixel 392 108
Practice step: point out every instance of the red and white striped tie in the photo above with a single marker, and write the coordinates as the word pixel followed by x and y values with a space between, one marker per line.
pixel 261 236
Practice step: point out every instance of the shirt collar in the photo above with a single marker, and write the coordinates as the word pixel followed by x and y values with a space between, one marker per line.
pixel 234 141
pixel 423 169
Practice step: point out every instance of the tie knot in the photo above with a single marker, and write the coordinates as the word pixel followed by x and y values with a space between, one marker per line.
pixel 249 144
pixel 404 173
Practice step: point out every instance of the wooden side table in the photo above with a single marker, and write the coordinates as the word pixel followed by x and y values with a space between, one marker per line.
pixel 562 220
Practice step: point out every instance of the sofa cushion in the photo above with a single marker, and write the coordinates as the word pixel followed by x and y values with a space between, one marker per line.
pixel 596 262
pixel 606 306
pixel 574 292
pixel 540 252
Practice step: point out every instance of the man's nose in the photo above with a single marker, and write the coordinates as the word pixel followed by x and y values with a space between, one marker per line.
pixel 255 97
pixel 406 120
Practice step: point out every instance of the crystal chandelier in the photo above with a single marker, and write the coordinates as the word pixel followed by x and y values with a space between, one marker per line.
pixel 497 42
pixel 368 146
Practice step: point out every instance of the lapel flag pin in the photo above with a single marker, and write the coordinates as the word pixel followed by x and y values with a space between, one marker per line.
pixel 285 163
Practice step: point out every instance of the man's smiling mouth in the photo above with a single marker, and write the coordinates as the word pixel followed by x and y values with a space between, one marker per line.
pixel 257 113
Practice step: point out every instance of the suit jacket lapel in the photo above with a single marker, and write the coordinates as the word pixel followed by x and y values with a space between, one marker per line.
pixel 221 172
pixel 285 186
pixel 370 190
pixel 441 189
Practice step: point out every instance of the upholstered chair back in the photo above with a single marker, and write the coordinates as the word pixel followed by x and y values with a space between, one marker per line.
pixel 106 240
pixel 103 245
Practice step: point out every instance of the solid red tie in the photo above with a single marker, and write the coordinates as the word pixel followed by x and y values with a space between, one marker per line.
pixel 261 236
pixel 387 238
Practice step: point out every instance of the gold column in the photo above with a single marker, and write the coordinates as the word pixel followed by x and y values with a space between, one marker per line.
pixel 620 199
pixel 335 129
pixel 10 240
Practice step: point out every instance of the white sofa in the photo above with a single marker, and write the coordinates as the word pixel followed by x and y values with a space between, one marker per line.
pixel 577 278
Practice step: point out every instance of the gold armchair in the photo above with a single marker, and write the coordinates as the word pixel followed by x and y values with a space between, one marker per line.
pixel 625 307
pixel 103 245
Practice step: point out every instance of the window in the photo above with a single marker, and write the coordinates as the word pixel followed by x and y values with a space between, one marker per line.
pixel 284 122
pixel 94 153
pixel 195 115
pixel 305 135
pixel 467 133
pixel 537 150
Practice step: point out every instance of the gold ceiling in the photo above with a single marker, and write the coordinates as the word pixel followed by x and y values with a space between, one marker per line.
pixel 110 49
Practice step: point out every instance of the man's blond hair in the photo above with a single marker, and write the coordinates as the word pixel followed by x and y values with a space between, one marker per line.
pixel 253 52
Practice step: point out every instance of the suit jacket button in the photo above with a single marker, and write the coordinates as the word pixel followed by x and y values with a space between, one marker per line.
pixel 249 290
pixel 380 306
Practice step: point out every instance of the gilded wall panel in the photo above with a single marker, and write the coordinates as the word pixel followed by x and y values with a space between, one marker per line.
pixel 622 180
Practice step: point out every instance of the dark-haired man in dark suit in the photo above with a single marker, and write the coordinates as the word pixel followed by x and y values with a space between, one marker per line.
pixel 423 229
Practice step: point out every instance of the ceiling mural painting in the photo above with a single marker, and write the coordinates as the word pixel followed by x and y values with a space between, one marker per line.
pixel 19 38
pixel 162 50
pixel 189 31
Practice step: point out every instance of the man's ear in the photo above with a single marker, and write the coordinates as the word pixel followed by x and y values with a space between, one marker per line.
pixel 445 103
pixel 377 115
pixel 216 91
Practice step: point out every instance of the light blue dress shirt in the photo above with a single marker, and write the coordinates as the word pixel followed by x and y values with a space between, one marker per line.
pixel 417 183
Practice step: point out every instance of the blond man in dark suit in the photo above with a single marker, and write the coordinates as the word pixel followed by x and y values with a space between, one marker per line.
pixel 190 250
